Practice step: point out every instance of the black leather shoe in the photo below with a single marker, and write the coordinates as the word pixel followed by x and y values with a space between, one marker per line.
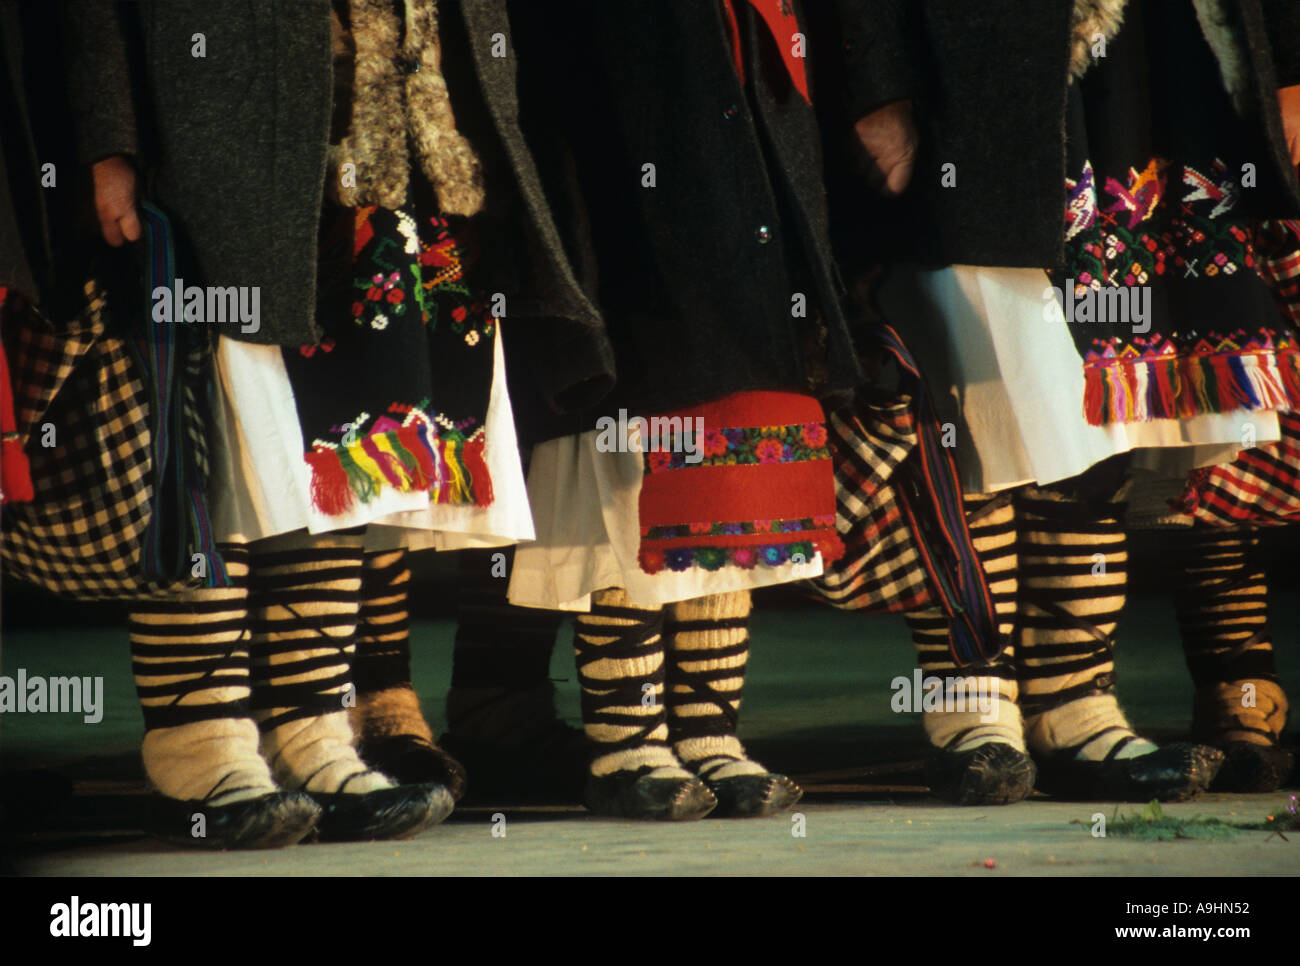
pixel 991 774
pixel 627 794
pixel 411 760
pixel 1251 768
pixel 1171 773
pixel 753 796
pixel 390 813
pixel 272 821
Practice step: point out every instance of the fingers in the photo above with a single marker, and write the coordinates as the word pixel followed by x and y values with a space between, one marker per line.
pixel 130 225
pixel 114 180
pixel 888 136
pixel 111 231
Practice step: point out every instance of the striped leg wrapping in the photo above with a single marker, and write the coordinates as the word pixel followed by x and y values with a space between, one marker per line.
pixel 381 668
pixel 189 655
pixel 305 606
pixel 501 692
pixel 1222 609
pixel 708 648
pixel 993 532
pixel 619 652
pixel 1073 573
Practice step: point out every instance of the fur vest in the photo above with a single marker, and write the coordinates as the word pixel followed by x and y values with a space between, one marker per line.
pixel 1101 19
pixel 398 90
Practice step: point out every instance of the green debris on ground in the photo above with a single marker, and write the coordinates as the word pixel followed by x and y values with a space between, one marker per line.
pixel 1153 825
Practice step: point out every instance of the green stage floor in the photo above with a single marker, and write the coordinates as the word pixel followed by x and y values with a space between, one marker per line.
pixel 817 707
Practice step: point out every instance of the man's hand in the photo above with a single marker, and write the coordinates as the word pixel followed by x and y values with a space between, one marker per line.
pixel 115 200
pixel 888 134
pixel 1288 99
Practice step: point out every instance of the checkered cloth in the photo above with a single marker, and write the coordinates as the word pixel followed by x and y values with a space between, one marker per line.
pixel 881 569
pixel 1280 263
pixel 83 412
pixel 900 514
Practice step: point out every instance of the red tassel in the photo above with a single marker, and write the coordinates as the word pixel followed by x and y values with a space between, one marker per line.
pixel 330 492
pixel 1288 365
pixel 1094 396
pixel 408 437
pixel 17 474
pixel 480 479
pixel 1228 394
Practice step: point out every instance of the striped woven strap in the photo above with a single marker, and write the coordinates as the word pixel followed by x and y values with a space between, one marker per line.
pixel 179 526
pixel 930 495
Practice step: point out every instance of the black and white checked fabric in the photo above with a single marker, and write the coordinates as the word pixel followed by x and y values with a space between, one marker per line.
pixel 881 569
pixel 80 389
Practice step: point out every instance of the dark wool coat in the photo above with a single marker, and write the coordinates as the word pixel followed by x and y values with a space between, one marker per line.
pixel 696 276
pixel 989 83
pixel 45 226
pixel 233 145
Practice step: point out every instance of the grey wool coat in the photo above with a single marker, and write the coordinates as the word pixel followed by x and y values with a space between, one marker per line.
pixel 233 146
pixel 989 82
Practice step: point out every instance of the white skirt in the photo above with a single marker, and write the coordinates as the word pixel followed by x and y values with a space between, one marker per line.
pixel 261 482
pixel 1002 367
pixel 585 505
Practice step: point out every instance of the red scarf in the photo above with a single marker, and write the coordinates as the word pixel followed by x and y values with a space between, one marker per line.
pixel 781 21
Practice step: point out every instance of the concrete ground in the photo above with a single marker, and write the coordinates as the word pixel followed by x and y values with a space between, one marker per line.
pixel 817 707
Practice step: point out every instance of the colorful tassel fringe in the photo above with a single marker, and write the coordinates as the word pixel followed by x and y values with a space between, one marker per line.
pixel 1137 389
pixel 410 459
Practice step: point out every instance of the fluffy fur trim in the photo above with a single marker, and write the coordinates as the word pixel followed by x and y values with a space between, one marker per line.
pixel 1224 35
pixel 1091 19
pixel 390 102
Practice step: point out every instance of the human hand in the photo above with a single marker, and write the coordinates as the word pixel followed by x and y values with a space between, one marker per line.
pixel 115 190
pixel 1288 98
pixel 888 135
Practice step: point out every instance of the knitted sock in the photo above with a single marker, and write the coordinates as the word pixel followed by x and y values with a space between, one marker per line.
pixel 501 692
pixel 305 605
pixel 387 704
pixel 189 654
pixel 1222 609
pixel 993 531
pixel 1073 574
pixel 620 656
pixel 708 648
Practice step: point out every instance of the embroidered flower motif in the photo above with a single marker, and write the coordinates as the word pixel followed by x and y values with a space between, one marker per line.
pixel 652 561
pixel 396 296
pixel 471 337
pixel 744 558
pixel 813 435
pixel 711 558
pixel 775 555
pixel 701 528
pixel 679 559
pixel 380 321
pixel 769 450
pixel 715 443
pixel 762 526
pixel 658 460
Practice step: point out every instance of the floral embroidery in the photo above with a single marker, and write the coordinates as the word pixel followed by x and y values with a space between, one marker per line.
pixel 741 447
pixel 715 558
pixel 431 281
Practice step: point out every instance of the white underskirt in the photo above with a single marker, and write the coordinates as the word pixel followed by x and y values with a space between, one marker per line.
pixel 1011 381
